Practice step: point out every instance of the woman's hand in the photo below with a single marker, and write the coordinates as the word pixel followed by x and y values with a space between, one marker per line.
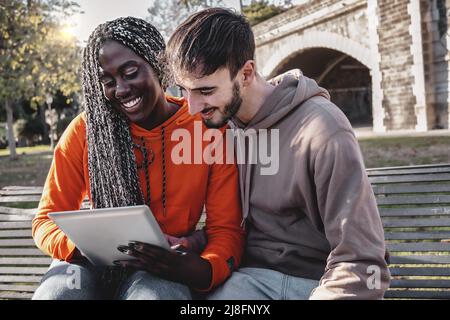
pixel 77 257
pixel 177 264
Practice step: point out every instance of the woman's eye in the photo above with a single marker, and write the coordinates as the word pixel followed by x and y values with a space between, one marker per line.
pixel 107 82
pixel 131 73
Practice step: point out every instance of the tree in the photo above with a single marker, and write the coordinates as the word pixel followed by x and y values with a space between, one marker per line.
pixel 34 60
pixel 258 11
pixel 167 15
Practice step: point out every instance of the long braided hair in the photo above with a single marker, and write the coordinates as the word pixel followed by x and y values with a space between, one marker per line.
pixel 113 177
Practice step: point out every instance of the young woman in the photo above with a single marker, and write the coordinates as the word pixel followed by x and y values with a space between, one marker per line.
pixel 118 153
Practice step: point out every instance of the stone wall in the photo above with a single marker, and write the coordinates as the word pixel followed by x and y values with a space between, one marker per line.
pixel 404 43
pixel 436 60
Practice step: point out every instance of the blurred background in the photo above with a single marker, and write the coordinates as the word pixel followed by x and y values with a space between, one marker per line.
pixel 385 64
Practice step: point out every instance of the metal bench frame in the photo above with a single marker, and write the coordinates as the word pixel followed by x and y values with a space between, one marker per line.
pixel 414 204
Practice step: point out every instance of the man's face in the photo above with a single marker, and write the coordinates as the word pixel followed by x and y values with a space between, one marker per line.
pixel 216 97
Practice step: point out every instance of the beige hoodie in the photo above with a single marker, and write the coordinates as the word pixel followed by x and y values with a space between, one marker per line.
pixel 316 217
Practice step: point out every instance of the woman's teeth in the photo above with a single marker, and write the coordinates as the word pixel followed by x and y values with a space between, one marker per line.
pixel 132 103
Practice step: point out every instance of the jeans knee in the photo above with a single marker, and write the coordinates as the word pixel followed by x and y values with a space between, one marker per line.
pixel 144 286
pixel 68 282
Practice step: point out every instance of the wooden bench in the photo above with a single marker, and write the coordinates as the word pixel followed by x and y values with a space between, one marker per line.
pixel 414 205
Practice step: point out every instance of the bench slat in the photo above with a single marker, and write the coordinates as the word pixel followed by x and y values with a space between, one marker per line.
pixel 20 198
pixel 416 188
pixel 26 261
pixel 23 270
pixel 418 246
pixel 420 259
pixel 18 188
pixel 18 287
pixel 410 178
pixel 15 217
pixel 22 192
pixel 425 211
pixel 413 167
pixel 21 252
pixel 415 199
pixel 15 295
pixel 444 169
pixel 8 210
pixel 414 235
pixel 411 223
pixel 15 225
pixel 420 283
pixel 15 233
pixel 418 294
pixel 16 242
pixel 20 279
pixel 420 271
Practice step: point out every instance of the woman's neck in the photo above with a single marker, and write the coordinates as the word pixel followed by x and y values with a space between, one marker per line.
pixel 163 111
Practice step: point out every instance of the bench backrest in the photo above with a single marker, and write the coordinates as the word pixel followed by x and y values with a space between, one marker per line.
pixel 414 204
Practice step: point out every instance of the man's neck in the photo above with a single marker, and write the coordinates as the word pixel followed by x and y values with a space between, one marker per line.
pixel 255 96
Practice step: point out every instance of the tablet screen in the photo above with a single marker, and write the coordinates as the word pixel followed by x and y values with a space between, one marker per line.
pixel 98 232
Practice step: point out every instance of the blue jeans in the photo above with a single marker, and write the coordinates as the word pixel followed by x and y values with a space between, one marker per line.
pixel 263 284
pixel 83 281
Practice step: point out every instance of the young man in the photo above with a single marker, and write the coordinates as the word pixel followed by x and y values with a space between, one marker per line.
pixel 313 229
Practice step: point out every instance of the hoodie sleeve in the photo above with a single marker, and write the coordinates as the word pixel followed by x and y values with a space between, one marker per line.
pixel 356 268
pixel 64 190
pixel 223 221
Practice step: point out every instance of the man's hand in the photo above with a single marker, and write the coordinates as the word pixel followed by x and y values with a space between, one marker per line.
pixel 177 264
pixel 194 242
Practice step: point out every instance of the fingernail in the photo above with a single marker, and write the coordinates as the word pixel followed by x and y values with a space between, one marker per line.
pixel 135 245
pixel 123 249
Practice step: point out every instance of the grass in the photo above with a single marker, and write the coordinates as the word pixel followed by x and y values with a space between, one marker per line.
pixel 26 150
pixel 400 151
pixel 30 169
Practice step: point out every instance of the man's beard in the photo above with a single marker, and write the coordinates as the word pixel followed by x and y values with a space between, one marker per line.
pixel 230 109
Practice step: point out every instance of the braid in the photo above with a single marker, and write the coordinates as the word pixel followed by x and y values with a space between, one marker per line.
pixel 113 177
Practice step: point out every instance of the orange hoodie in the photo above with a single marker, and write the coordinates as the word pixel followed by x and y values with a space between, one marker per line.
pixel 189 187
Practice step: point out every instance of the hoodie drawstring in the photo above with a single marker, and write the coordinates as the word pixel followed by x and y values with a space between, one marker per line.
pixel 147 162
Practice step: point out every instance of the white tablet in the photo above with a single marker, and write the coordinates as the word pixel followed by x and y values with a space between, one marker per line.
pixel 98 232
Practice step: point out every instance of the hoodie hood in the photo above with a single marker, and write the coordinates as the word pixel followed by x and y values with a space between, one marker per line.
pixel 291 90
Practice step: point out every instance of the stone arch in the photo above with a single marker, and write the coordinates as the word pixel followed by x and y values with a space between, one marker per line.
pixel 317 39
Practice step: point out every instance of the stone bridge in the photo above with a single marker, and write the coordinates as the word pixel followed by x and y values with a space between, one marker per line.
pixel 385 62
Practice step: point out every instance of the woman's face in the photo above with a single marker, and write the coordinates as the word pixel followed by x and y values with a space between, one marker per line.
pixel 129 82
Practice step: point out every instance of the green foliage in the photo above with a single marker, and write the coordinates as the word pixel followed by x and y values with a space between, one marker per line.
pixel 258 11
pixel 36 57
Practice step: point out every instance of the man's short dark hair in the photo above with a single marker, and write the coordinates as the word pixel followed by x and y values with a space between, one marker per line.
pixel 211 39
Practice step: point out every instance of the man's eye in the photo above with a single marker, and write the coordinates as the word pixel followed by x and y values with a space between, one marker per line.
pixel 206 92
